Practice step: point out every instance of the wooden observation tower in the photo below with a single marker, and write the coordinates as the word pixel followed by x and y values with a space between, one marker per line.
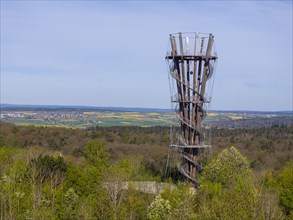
pixel 191 62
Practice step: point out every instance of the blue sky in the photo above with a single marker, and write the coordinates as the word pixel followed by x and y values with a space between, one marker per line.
pixel 111 53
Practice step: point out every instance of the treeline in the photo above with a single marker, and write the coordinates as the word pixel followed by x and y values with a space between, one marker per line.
pixel 266 147
pixel 37 183
pixel 256 122
pixel 61 173
pixel 152 142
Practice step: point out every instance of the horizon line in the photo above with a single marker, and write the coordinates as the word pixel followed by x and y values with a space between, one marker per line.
pixel 120 107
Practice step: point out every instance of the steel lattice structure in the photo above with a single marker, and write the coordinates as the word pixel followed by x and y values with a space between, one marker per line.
pixel 191 63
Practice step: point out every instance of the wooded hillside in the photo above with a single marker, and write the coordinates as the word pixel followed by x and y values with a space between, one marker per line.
pixel 62 173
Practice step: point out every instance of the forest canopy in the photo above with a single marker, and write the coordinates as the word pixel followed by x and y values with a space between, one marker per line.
pixel 63 173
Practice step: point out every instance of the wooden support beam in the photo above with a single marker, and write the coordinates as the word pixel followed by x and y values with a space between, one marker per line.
pixel 184 87
pixel 206 65
pixel 177 74
pixel 194 95
pixel 188 99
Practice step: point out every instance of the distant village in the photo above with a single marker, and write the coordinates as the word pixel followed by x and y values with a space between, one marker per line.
pixel 42 115
pixel 79 114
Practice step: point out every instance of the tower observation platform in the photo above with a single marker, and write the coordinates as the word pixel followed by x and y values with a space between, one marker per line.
pixel 191 60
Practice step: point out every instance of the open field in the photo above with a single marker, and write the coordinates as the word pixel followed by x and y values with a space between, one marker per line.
pixel 84 118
